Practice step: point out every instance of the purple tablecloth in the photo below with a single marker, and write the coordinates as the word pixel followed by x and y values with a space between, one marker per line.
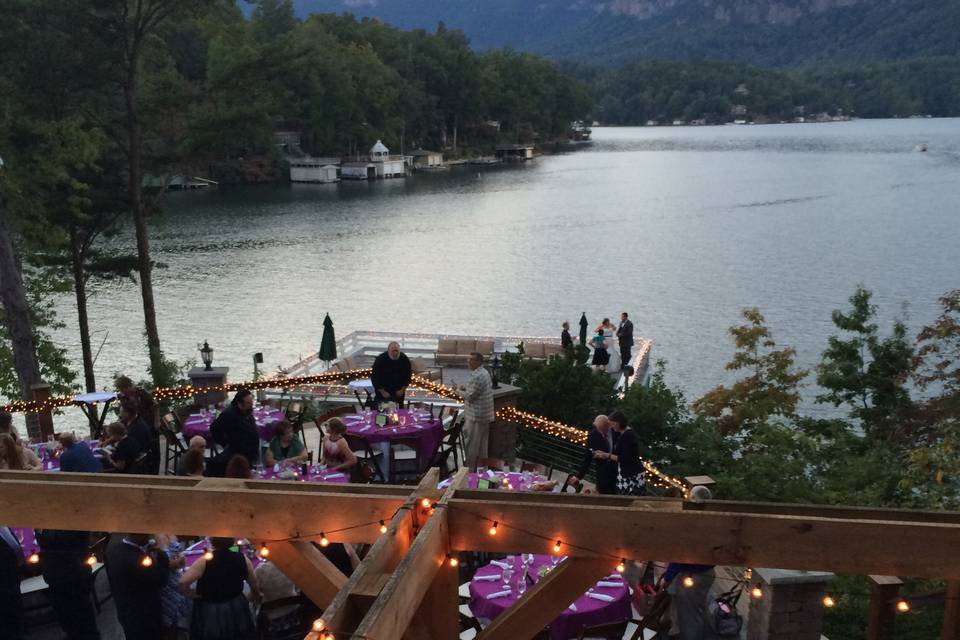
pixel 199 425
pixel 314 474
pixel 50 457
pixel 413 424
pixel 515 479
pixel 589 611
pixel 27 539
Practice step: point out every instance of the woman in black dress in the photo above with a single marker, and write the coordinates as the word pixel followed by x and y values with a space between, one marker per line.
pixel 220 609
pixel 631 480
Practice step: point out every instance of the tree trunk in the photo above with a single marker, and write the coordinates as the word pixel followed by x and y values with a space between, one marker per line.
pixel 454 135
pixel 135 178
pixel 17 311
pixel 80 288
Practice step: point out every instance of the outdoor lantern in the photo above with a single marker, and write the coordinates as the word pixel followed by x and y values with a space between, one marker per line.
pixel 495 366
pixel 206 354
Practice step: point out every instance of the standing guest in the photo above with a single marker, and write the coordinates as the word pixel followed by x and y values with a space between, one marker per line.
pixel 274 585
pixel 626 453
pixel 146 436
pixel 625 339
pixel 127 457
pixel 11 603
pixel 285 445
pixel 689 604
pixel 197 443
pixel 600 354
pixel 478 410
pixel 220 610
pixel 70 581
pixel 77 456
pixel 236 431
pixel 335 452
pixel 174 606
pixel 136 584
pixel 565 340
pixel 15 457
pixel 238 467
pixel 391 374
pixel 145 405
pixel 192 464
pixel 600 442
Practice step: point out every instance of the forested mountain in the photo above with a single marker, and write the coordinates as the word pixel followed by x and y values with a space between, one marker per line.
pixel 759 32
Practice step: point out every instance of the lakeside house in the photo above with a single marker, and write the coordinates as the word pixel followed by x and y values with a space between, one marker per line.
pixel 514 152
pixel 379 165
pixel 425 159
pixel 315 170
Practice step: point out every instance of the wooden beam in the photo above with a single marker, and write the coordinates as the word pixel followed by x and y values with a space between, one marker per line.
pixel 307 567
pixel 547 599
pixel 740 539
pixel 951 612
pixel 348 607
pixel 825 511
pixel 882 615
pixel 270 514
pixel 401 597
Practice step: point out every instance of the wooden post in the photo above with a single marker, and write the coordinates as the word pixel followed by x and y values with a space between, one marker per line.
pixel 309 569
pixel 41 392
pixel 951 612
pixel 883 591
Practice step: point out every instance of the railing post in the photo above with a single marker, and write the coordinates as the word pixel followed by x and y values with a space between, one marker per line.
pixel 883 591
pixel 951 612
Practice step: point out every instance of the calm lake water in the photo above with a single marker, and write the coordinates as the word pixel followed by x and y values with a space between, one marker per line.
pixel 681 227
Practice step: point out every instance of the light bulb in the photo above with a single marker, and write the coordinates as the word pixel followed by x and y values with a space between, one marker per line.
pixel 147 561
pixel 208 555
pixel 687 581
pixel 383 527
pixel 556 547
pixel 829 602
pixel 92 560
pixel 493 528
pixel 264 551
pixel 622 566
pixel 452 560
pixel 425 503
pixel 903 606
pixel 756 593
pixel 34 558
pixel 318 625
pixel 323 540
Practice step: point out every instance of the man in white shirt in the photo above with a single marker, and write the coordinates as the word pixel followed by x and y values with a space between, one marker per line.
pixel 477 409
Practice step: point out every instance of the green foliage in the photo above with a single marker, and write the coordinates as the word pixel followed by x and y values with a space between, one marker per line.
pixel 655 410
pixel 564 389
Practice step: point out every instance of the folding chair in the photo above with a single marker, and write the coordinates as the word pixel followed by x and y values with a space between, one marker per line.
pixel 361 448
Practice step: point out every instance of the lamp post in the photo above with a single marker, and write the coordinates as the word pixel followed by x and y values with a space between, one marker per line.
pixel 206 354
pixel 495 367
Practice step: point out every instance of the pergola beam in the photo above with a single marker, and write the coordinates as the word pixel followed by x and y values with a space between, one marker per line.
pixel 305 566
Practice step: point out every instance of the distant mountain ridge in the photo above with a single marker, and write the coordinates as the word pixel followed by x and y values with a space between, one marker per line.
pixel 761 32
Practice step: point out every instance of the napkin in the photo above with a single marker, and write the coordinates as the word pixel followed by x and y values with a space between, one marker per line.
pixel 572 607
pixel 334 475
pixel 601 596
pixel 502 565
pixel 614 576
pixel 603 583
pixel 489 578
pixel 502 594
pixel 365 428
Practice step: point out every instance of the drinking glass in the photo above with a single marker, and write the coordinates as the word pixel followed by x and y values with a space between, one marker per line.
pixel 481 470
pixel 507 575
pixel 522 582
pixel 554 560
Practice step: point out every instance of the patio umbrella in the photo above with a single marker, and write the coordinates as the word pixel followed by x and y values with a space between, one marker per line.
pixel 328 345
pixel 583 329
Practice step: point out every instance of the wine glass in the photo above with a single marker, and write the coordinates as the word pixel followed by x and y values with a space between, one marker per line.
pixel 522 581
pixel 506 576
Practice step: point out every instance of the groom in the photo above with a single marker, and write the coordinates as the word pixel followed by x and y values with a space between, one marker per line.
pixel 625 338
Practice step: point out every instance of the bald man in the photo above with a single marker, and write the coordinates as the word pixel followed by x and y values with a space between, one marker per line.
pixel 601 439
pixel 391 375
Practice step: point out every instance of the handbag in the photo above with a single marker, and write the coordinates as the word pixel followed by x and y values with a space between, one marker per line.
pixel 722 615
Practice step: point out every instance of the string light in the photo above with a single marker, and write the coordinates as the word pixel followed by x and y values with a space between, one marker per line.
pixel 556 547
pixel 688 582
pixel 452 560
pixel 329 636
pixel 425 503
pixel 903 606
pixel 829 602
pixel 383 527
pixel 622 566
pixel 493 528
pixel 208 555
pixel 146 561
pixel 756 593
pixel 318 625
pixel 34 558
pixel 323 540
pixel 91 560
pixel 264 551
pixel 748 574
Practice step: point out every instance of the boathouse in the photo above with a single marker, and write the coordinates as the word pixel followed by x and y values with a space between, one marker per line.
pixel 320 170
pixel 386 165
pixel 514 152
pixel 424 159
pixel 362 170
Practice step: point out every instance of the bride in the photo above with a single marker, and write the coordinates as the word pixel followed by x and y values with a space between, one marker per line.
pixel 613 348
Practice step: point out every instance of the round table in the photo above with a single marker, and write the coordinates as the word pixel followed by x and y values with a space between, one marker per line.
pixel 517 481
pixel 198 424
pixel 27 539
pixel 589 611
pixel 411 424
pixel 315 473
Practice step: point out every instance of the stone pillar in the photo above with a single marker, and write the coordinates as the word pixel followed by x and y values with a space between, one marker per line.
pixel 215 377
pixel 40 425
pixel 503 435
pixel 791 607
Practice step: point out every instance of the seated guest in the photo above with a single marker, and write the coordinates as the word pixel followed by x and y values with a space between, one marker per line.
pixel 220 610
pixel 197 443
pixel 6 426
pixel 391 374
pixel 77 456
pixel 336 453
pixel 126 451
pixel 238 467
pixel 236 431
pixel 284 446
pixel 192 464
pixel 601 440
pixel 146 436
pixel 15 457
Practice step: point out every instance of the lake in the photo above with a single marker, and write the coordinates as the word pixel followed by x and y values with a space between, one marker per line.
pixel 680 226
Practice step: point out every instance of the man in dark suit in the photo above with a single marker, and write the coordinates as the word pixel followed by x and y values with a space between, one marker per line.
pixel 391 375
pixel 135 586
pixel 625 338
pixel 70 580
pixel 600 439
pixel 565 340
pixel 11 605
pixel 236 430
pixel 146 437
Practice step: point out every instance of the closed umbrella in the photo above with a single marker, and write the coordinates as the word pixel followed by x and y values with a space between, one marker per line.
pixel 583 329
pixel 328 344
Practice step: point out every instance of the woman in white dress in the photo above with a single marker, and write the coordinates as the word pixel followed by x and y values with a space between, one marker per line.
pixel 610 337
